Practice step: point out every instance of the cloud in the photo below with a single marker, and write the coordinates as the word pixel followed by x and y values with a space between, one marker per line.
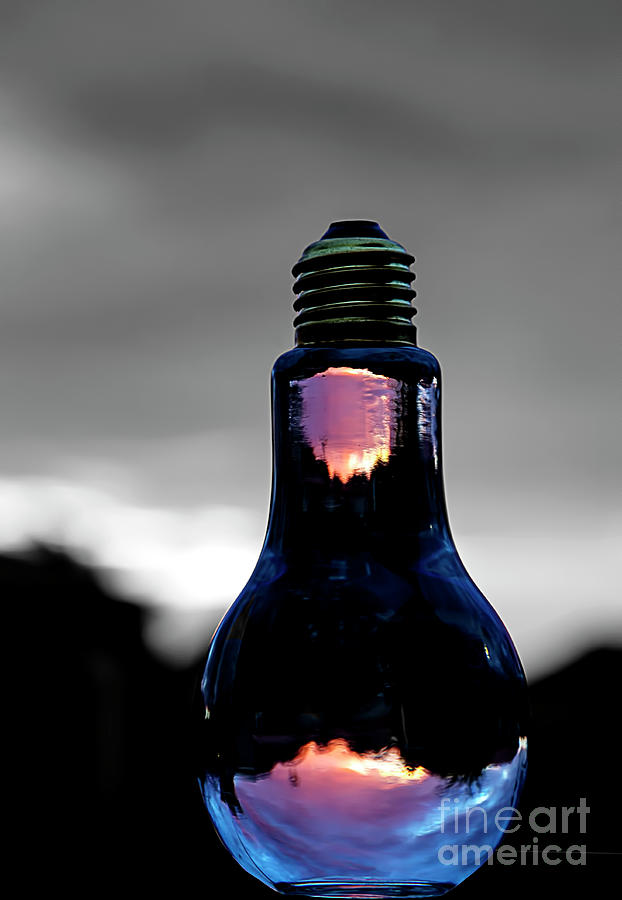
pixel 494 85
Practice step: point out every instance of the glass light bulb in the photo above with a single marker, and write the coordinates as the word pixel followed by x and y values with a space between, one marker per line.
pixel 364 704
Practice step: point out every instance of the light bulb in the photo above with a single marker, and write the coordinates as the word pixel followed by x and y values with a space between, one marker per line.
pixel 364 704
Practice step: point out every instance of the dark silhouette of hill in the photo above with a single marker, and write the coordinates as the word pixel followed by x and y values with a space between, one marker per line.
pixel 102 741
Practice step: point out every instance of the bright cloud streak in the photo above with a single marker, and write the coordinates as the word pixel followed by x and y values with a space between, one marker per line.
pixel 198 558
pixel 189 565
pixel 555 594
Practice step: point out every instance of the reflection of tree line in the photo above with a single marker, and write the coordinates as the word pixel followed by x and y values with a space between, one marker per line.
pixel 398 500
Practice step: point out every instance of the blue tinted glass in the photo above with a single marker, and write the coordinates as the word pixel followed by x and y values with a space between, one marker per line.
pixel 365 706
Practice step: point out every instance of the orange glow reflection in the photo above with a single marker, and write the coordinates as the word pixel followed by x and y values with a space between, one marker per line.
pixel 333 810
pixel 349 419
pixel 336 759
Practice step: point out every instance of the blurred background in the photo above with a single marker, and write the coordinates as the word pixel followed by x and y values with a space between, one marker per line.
pixel 162 165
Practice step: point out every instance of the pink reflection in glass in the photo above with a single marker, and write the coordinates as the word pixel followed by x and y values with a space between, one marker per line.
pixel 349 419
pixel 366 815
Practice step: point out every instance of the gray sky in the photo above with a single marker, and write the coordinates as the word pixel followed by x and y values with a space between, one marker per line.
pixel 162 165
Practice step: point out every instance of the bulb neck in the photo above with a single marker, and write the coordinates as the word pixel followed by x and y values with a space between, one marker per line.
pixel 357 470
pixel 353 286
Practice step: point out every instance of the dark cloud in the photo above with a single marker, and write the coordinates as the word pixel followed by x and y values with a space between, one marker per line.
pixel 555 27
pixel 479 85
